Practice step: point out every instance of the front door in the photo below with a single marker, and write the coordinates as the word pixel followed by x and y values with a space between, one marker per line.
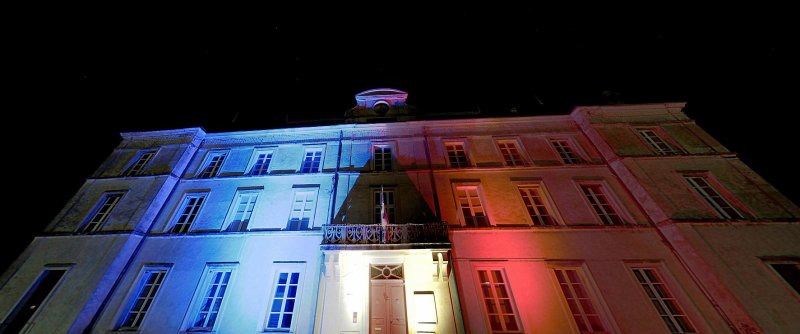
pixel 387 307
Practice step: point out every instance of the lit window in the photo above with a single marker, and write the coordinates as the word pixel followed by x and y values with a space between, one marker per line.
pixel 312 160
pixel 659 144
pixel 565 151
pixel 244 205
pixel 303 205
pixel 261 163
pixel 426 314
pixel 510 152
pixel 497 302
pixel 537 205
pixel 21 316
pixel 601 204
pixel 585 314
pixel 470 205
pixel 137 168
pixel 142 299
pixel 382 158
pixel 187 212
pixel 665 304
pixel 101 212
pixel 282 310
pixel 210 302
pixel 721 206
pixel 388 203
pixel 789 271
pixel 212 164
pixel 456 155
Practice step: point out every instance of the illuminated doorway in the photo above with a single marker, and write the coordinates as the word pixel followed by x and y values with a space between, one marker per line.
pixel 387 299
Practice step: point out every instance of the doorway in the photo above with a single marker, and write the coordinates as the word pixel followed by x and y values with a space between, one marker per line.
pixel 387 300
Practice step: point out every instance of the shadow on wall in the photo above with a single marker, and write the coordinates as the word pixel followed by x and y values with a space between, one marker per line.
pixel 406 195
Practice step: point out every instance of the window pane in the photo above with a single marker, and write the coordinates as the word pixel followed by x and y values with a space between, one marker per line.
pixel 281 313
pixel 662 300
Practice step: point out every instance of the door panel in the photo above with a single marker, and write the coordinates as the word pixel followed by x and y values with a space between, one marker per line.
pixel 387 307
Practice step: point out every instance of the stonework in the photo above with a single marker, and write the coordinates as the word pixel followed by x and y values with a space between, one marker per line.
pixel 618 219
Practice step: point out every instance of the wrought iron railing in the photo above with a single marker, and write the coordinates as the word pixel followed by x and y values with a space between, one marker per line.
pixel 384 234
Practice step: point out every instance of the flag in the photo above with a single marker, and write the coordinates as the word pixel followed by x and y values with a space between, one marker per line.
pixel 384 218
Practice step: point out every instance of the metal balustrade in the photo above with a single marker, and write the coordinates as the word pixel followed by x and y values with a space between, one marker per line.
pixel 384 234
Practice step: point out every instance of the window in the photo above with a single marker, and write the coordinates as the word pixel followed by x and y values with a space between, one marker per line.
pixel 789 271
pixel 536 204
pixel 187 212
pixel 585 314
pixel 425 306
pixel 260 166
pixel 101 212
pixel 33 300
pixel 284 301
pixel 140 302
pixel 565 151
pixel 137 168
pixel 661 146
pixel 312 160
pixel 601 204
pixel 456 155
pixel 303 205
pixel 209 303
pixel 388 203
pixel 382 158
pixel 497 302
pixel 511 154
pixel 712 197
pixel 212 164
pixel 243 210
pixel 470 205
pixel 666 305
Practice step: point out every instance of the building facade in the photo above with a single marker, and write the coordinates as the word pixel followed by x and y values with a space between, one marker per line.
pixel 615 219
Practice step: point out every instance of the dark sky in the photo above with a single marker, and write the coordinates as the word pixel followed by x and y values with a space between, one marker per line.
pixel 81 76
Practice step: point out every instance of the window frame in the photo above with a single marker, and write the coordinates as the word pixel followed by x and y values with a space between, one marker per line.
pixel 177 211
pixel 591 289
pixel 270 151
pixel 376 205
pixel 661 135
pixel 737 206
pixel 200 294
pixel 463 143
pixel 612 199
pixel 524 159
pixel 278 267
pixel 83 228
pixel 134 290
pixel 207 161
pixel 391 161
pixel 308 148
pixel 34 284
pixel 479 292
pixel 669 288
pixel 128 171
pixel 580 155
pixel 481 199
pixel 769 261
pixel 315 194
pixel 227 224
pixel 547 200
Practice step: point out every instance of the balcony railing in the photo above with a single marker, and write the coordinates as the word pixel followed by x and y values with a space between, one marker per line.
pixel 384 234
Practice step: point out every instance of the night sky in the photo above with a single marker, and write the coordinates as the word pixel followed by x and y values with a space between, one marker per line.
pixel 80 77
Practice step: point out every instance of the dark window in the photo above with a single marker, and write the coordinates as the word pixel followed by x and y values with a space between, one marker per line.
pixel 32 301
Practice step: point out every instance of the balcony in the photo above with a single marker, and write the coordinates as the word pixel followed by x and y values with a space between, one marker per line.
pixel 376 236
